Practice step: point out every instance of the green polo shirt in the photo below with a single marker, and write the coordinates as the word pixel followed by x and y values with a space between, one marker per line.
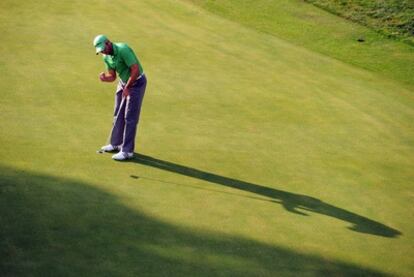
pixel 122 60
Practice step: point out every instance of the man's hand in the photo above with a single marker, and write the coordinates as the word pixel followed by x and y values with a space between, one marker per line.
pixel 108 77
pixel 102 76
pixel 125 92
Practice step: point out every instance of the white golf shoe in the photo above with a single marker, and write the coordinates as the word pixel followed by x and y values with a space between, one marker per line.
pixel 122 156
pixel 109 148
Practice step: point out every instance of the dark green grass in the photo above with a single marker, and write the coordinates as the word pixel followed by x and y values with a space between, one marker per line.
pixel 74 229
pixel 393 18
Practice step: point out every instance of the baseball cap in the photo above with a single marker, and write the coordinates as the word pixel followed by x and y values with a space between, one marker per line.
pixel 99 43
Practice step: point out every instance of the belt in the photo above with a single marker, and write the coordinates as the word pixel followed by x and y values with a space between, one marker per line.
pixel 139 77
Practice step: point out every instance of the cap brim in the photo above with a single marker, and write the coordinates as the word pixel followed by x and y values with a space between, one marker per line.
pixel 99 49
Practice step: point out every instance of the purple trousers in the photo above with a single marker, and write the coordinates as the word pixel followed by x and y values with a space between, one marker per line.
pixel 126 115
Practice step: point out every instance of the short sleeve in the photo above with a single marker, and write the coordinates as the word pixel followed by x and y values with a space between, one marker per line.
pixel 107 65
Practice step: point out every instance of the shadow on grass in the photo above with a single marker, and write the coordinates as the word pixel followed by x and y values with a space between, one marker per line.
pixel 60 227
pixel 292 202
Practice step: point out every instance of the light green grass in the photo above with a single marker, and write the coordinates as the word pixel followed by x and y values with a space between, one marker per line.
pixel 247 132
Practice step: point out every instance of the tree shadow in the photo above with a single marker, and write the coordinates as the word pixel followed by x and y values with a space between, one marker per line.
pixel 292 202
pixel 61 227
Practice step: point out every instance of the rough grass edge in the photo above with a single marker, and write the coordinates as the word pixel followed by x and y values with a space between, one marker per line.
pixel 405 38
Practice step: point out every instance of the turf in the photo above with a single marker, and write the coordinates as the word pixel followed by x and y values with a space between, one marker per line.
pixel 322 32
pixel 256 154
pixel 392 18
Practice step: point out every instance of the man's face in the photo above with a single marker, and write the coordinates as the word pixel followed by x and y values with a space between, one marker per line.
pixel 108 48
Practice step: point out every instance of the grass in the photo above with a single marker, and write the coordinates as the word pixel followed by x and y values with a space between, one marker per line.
pixel 91 232
pixel 256 154
pixel 392 18
pixel 322 32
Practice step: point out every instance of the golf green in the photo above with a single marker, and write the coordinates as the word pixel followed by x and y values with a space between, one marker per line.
pixel 260 150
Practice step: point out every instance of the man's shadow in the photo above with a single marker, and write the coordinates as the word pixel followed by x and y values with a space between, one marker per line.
pixel 292 202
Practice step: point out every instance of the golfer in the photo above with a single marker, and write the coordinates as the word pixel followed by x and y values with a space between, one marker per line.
pixel 120 58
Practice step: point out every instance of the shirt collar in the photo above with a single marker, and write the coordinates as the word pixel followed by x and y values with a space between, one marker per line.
pixel 115 48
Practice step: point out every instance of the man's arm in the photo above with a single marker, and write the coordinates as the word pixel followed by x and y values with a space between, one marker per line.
pixel 134 69
pixel 110 76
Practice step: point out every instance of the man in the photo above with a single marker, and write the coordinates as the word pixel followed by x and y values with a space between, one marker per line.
pixel 120 58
